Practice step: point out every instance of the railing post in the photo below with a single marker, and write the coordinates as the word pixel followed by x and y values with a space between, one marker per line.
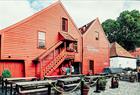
pixel 97 86
pixel 6 87
pixel 65 45
pixel 11 89
pixel 82 85
pixel 2 84
pixel 49 89
pixel 53 53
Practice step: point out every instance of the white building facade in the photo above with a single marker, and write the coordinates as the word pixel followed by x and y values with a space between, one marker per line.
pixel 122 62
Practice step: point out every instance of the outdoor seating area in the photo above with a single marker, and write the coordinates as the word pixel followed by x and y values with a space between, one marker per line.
pixel 53 85
pixel 26 85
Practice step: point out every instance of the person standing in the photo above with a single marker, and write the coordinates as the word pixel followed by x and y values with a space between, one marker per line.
pixel 67 71
pixel 72 69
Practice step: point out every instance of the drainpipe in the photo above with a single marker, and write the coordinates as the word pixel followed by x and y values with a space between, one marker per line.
pixel 82 56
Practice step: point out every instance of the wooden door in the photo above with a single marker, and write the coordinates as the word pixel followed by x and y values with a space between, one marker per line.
pixel 16 68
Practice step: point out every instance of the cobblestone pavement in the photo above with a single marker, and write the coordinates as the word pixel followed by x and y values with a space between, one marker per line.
pixel 125 88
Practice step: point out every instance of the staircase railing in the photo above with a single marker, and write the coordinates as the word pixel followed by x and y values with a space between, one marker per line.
pixel 49 50
pixel 55 63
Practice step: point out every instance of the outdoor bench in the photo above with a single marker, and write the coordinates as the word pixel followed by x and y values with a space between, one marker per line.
pixel 68 83
pixel 10 82
pixel 34 86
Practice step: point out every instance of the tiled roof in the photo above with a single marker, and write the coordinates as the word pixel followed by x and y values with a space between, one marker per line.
pixel 84 28
pixel 117 50
pixel 66 36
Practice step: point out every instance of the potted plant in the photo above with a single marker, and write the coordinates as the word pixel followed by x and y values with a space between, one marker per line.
pixel 102 83
pixel 6 74
pixel 114 82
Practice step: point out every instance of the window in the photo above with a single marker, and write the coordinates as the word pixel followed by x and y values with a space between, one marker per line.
pixel 41 39
pixel 65 24
pixel 76 46
pixel 96 35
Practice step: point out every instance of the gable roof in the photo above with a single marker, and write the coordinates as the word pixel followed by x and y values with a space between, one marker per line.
pixel 37 14
pixel 84 28
pixel 118 51
pixel 28 18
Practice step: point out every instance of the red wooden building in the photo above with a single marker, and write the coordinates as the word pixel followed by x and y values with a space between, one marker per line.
pixel 41 44
pixel 49 40
pixel 95 48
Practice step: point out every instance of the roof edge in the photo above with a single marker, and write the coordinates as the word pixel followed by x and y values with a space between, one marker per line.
pixel 30 17
pixel 123 57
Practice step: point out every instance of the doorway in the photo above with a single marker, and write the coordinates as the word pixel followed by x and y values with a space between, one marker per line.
pixel 76 66
pixel 91 67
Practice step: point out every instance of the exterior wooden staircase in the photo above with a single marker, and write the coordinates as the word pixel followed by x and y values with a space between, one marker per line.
pixel 49 69
pixel 51 66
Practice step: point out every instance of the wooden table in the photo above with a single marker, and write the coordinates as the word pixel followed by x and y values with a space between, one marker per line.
pixel 63 76
pixel 68 83
pixel 69 79
pixel 36 84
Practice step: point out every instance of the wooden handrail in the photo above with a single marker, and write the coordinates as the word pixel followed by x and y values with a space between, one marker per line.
pixel 56 62
pixel 52 60
pixel 49 50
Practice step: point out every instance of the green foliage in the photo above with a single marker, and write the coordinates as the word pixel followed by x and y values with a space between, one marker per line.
pixel 125 29
pixel 102 82
pixel 6 74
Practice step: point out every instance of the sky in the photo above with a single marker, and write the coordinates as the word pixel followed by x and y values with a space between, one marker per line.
pixel 82 11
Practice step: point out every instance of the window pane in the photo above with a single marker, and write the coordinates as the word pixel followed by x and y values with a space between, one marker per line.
pixel 41 43
pixel 41 35
pixel 41 39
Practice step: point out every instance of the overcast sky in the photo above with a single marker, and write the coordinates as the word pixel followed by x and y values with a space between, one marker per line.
pixel 82 11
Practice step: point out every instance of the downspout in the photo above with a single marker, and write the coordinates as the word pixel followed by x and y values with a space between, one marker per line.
pixel 82 55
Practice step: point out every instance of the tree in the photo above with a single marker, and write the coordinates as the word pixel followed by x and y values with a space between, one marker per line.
pixel 111 28
pixel 125 30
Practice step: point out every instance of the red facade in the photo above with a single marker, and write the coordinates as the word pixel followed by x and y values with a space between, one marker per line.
pixel 95 48
pixel 48 41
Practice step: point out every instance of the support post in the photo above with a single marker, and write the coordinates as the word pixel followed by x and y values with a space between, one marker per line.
pixel 54 54
pixel 49 89
pixel 11 89
pixel 2 85
pixel 82 85
pixel 65 46
pixel 97 86
pixel 6 87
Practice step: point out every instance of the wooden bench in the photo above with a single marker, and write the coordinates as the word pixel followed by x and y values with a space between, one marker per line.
pixel 34 86
pixel 10 82
pixel 68 83
pixel 92 78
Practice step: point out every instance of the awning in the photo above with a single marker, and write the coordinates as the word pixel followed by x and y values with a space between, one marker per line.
pixel 67 36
